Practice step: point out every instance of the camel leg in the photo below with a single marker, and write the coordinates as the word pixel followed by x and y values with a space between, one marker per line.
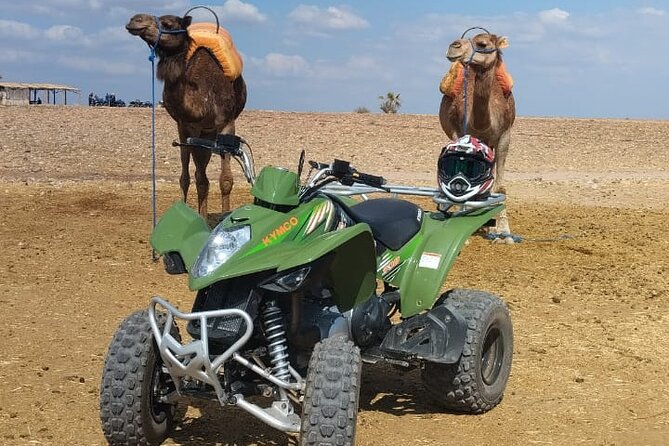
pixel 184 179
pixel 226 180
pixel 502 150
pixel 201 159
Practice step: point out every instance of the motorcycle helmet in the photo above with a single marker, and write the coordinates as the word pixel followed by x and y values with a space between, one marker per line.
pixel 465 169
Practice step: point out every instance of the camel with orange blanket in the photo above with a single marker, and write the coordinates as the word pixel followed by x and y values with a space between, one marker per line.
pixel 204 90
pixel 490 107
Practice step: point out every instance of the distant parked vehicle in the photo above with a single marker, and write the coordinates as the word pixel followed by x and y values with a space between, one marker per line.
pixel 139 103
pixel 109 100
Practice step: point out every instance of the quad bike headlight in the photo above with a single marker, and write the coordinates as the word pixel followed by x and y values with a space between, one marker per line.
pixel 221 245
pixel 287 283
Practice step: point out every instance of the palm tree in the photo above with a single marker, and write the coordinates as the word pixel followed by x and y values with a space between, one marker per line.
pixel 390 103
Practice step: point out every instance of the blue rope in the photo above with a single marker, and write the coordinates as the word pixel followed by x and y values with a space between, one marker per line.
pixel 504 235
pixel 152 59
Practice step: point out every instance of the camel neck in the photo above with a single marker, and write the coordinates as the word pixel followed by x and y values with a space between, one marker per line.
pixel 483 83
pixel 171 66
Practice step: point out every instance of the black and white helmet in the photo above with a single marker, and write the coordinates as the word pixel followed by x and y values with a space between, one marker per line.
pixel 466 169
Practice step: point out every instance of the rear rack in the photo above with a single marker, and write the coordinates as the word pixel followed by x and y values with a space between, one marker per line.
pixel 420 191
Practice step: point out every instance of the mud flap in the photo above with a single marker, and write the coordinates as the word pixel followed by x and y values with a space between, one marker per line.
pixel 436 336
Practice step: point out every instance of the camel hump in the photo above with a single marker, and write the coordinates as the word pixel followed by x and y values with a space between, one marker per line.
pixel 452 83
pixel 203 35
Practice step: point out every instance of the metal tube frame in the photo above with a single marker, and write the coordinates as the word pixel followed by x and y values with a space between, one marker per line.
pixel 192 360
pixel 419 191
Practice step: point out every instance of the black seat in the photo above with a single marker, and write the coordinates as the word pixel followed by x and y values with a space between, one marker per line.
pixel 393 222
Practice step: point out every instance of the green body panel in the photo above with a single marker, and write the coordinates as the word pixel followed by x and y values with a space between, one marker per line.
pixel 279 241
pixel 435 248
pixel 181 230
pixel 277 186
pixel 284 240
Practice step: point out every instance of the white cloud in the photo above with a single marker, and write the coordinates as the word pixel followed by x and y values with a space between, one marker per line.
pixel 331 19
pixel 282 65
pixel 231 11
pixel 13 55
pixel 355 67
pixel 98 65
pixel 81 8
pixel 64 33
pixel 17 30
pixel 652 11
pixel 553 16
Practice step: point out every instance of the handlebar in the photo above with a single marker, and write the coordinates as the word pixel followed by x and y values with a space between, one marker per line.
pixel 317 165
pixel 348 175
pixel 224 144
pixel 370 180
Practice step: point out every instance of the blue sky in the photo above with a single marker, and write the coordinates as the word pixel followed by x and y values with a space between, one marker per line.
pixel 568 58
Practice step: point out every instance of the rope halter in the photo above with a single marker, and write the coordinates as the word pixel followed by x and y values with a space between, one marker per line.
pixel 161 31
pixel 474 48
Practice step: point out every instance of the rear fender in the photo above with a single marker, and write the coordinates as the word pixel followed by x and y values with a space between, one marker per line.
pixel 181 230
pixel 432 260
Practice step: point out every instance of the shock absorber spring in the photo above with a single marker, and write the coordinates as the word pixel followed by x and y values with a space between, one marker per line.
pixel 275 333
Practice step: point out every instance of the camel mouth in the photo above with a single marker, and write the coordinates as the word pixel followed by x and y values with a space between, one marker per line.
pixel 135 30
pixel 453 58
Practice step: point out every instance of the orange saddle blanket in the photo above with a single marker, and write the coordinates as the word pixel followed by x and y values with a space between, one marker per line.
pixel 453 82
pixel 203 35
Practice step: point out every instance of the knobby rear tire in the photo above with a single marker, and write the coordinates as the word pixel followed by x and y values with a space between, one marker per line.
pixel 476 383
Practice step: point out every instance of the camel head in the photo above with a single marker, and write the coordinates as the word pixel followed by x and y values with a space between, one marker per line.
pixel 170 28
pixel 482 50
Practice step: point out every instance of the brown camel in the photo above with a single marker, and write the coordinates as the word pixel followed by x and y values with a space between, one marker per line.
pixel 490 105
pixel 197 95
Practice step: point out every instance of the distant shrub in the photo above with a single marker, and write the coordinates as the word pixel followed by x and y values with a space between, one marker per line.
pixel 390 103
pixel 361 110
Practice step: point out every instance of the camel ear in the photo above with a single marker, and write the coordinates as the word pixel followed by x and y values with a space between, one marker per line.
pixel 186 21
pixel 502 42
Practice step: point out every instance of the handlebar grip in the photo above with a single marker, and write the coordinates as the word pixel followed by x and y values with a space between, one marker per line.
pixel 317 165
pixel 370 180
pixel 223 144
pixel 201 142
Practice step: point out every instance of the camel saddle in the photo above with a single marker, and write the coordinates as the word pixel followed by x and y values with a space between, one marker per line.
pixel 452 83
pixel 220 45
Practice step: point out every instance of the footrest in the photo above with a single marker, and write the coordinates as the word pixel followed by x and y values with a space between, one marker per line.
pixel 436 336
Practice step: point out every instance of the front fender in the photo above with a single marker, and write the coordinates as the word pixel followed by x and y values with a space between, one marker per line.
pixel 427 269
pixel 351 276
pixel 181 230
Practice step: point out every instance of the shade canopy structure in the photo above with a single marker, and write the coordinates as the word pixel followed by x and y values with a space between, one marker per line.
pixel 23 93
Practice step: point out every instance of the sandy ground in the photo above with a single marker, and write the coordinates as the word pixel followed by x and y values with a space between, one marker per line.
pixel 588 289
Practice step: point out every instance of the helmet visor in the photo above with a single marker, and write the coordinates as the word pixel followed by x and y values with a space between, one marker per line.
pixel 472 169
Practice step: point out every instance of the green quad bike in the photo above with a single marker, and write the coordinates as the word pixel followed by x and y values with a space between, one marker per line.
pixel 294 292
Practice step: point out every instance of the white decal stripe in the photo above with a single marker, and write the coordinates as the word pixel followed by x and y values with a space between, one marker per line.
pixel 330 212
pixel 312 221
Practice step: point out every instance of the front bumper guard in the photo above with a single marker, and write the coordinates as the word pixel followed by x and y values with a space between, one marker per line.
pixel 193 360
